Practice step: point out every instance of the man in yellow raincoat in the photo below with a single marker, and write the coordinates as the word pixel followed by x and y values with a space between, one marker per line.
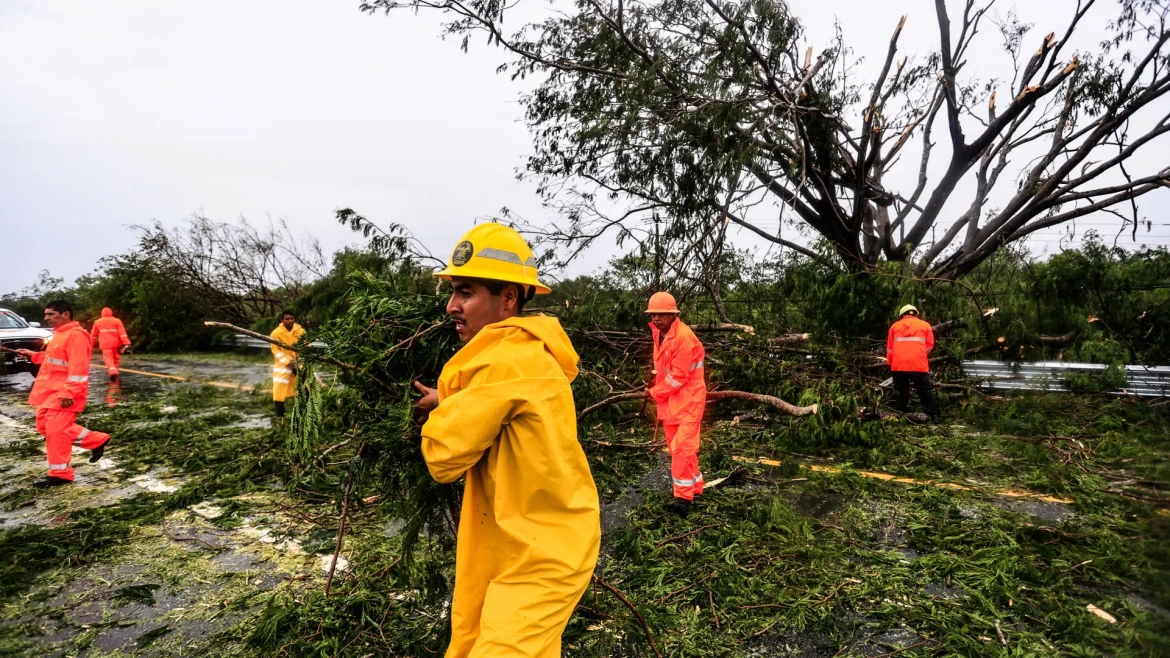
pixel 503 418
pixel 284 373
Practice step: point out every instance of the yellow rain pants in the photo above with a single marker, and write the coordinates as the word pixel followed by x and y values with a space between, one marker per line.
pixel 284 376
pixel 530 528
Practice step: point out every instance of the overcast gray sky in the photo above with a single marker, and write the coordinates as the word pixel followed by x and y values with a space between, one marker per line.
pixel 121 112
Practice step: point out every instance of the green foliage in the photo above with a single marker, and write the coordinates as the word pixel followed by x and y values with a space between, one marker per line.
pixel 394 338
pixel 160 314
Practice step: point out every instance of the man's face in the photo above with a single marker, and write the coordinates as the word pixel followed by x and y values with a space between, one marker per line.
pixel 55 319
pixel 662 321
pixel 288 321
pixel 472 306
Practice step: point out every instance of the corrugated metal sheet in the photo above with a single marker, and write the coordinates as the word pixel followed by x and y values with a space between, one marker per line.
pixel 1144 381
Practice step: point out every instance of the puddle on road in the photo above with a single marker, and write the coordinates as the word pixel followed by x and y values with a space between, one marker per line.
pixel 657 479
pixel 186 581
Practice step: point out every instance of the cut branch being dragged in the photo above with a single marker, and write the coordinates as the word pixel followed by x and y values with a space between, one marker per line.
pixel 712 396
pixel 334 362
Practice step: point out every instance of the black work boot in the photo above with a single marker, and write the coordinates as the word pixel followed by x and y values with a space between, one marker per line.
pixel 280 409
pixel 114 377
pixel 96 454
pixel 679 506
pixel 51 481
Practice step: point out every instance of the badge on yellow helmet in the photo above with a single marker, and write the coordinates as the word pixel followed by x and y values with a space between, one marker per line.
pixel 462 253
pixel 495 252
pixel 909 308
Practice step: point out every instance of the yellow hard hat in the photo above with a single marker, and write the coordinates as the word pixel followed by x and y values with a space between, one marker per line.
pixel 496 252
pixel 909 308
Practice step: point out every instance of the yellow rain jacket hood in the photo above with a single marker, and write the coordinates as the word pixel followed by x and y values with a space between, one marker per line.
pixel 529 531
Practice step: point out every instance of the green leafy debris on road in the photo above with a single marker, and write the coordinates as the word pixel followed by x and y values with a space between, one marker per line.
pixel 782 561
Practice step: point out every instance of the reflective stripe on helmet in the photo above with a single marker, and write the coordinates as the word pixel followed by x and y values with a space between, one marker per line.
pixel 500 254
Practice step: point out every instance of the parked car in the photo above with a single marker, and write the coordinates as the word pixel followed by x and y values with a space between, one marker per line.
pixel 16 333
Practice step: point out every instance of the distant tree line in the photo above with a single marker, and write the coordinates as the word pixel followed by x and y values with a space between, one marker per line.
pixel 1097 303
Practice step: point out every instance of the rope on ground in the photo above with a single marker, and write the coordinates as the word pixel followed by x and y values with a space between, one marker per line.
pixel 887 477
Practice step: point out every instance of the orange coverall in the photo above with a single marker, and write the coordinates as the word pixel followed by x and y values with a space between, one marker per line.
pixel 64 375
pixel 908 353
pixel 681 394
pixel 908 345
pixel 110 335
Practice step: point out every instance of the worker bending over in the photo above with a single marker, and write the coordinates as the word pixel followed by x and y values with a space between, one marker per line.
pixel 59 394
pixel 680 395
pixel 284 373
pixel 110 335
pixel 503 419
pixel 908 353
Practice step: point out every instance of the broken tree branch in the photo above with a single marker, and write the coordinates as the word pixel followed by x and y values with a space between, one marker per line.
pixel 725 326
pixel 790 338
pixel 712 396
pixel 641 620
pixel 272 341
pixel 341 524
pixel 1057 341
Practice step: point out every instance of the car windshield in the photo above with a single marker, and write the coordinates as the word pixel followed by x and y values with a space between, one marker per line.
pixel 11 321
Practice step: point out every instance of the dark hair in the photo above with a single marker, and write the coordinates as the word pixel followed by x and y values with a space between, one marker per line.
pixel 60 306
pixel 497 288
pixel 284 313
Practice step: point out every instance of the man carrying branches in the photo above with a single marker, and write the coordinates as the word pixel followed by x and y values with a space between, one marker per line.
pixel 284 374
pixel 503 418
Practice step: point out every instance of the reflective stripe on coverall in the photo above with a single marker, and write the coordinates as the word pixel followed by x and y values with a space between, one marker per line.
pixel 681 394
pixel 908 345
pixel 529 530
pixel 284 377
pixel 64 375
pixel 110 335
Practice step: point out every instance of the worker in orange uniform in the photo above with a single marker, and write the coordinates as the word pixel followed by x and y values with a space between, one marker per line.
pixel 284 373
pixel 59 394
pixel 680 395
pixel 503 419
pixel 908 353
pixel 110 335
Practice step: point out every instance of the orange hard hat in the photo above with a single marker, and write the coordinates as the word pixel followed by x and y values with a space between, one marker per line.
pixel 662 302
